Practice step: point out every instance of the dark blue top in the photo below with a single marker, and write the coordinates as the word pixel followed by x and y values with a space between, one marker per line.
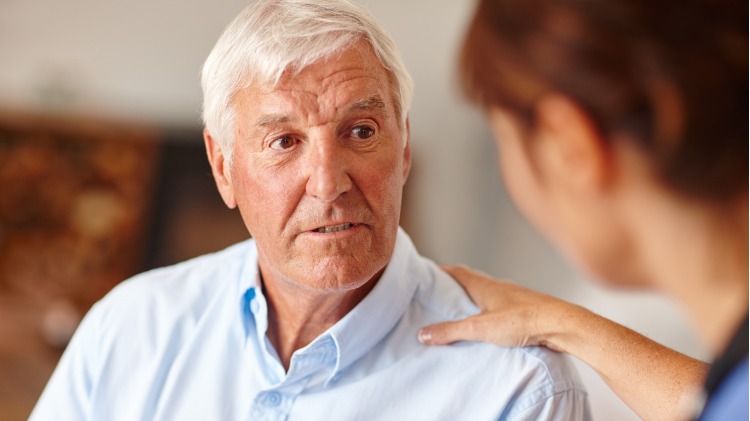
pixel 727 382
pixel 730 402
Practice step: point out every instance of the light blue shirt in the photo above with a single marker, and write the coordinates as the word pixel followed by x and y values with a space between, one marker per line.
pixel 188 342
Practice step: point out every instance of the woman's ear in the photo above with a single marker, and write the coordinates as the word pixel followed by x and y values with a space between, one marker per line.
pixel 220 169
pixel 569 148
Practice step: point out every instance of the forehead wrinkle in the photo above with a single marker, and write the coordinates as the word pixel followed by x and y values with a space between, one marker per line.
pixel 285 105
pixel 317 84
pixel 345 100
pixel 326 98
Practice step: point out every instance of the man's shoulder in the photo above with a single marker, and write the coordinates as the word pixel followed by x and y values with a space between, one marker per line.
pixel 179 287
pixel 441 297
pixel 537 373
pixel 532 382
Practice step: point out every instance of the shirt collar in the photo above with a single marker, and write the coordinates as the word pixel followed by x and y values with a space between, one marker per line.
pixel 363 327
pixel 249 293
pixel 376 315
pixel 254 311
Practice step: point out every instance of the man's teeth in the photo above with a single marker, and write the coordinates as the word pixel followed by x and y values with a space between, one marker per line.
pixel 334 228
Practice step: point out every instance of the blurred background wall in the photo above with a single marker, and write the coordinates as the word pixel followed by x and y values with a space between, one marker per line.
pixel 130 70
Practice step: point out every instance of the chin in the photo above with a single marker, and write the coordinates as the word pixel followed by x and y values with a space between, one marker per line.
pixel 620 276
pixel 611 262
pixel 340 275
pixel 624 285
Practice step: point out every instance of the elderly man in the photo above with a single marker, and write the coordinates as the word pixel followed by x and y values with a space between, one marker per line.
pixel 317 316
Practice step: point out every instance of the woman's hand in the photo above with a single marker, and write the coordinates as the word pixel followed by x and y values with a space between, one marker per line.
pixel 655 381
pixel 511 315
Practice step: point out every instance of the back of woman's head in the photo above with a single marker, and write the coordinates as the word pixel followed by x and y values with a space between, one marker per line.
pixel 670 74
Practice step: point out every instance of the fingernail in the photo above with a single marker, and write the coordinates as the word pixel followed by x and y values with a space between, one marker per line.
pixel 424 335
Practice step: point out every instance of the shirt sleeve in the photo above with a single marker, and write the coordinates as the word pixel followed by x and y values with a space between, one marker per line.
pixel 568 405
pixel 67 395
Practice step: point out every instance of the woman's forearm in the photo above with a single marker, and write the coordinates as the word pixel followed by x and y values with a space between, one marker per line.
pixel 656 382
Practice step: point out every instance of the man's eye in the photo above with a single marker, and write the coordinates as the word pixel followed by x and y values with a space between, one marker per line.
pixel 362 132
pixel 282 143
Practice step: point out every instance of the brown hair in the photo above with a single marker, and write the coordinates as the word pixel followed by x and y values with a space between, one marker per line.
pixel 672 74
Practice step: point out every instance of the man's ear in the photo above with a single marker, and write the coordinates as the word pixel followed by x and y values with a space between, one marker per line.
pixel 407 150
pixel 570 149
pixel 220 169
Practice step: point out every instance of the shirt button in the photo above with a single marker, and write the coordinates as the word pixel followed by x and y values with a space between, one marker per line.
pixel 272 399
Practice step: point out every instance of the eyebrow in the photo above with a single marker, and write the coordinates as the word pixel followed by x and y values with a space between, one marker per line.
pixel 271 120
pixel 372 103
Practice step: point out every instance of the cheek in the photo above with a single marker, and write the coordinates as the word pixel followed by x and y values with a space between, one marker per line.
pixel 514 167
pixel 517 176
pixel 263 197
pixel 382 184
pixel 570 228
pixel 525 188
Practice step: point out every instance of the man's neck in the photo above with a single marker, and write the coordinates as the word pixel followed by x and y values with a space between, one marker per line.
pixel 296 316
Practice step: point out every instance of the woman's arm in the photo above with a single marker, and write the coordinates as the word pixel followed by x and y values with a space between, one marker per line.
pixel 653 380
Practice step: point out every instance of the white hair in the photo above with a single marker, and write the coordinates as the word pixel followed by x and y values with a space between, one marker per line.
pixel 271 36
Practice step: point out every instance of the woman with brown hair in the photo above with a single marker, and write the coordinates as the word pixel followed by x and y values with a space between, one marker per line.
pixel 623 137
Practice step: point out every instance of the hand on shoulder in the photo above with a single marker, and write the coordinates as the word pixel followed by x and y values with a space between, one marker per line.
pixel 511 315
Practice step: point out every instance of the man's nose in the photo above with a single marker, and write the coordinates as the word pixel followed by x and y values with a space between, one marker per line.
pixel 328 170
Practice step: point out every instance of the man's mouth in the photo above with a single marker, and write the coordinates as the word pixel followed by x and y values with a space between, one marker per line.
pixel 334 228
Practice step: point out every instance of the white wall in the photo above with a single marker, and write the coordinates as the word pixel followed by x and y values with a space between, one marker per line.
pixel 136 59
pixel 139 59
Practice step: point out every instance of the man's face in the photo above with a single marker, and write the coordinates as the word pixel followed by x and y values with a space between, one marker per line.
pixel 317 171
